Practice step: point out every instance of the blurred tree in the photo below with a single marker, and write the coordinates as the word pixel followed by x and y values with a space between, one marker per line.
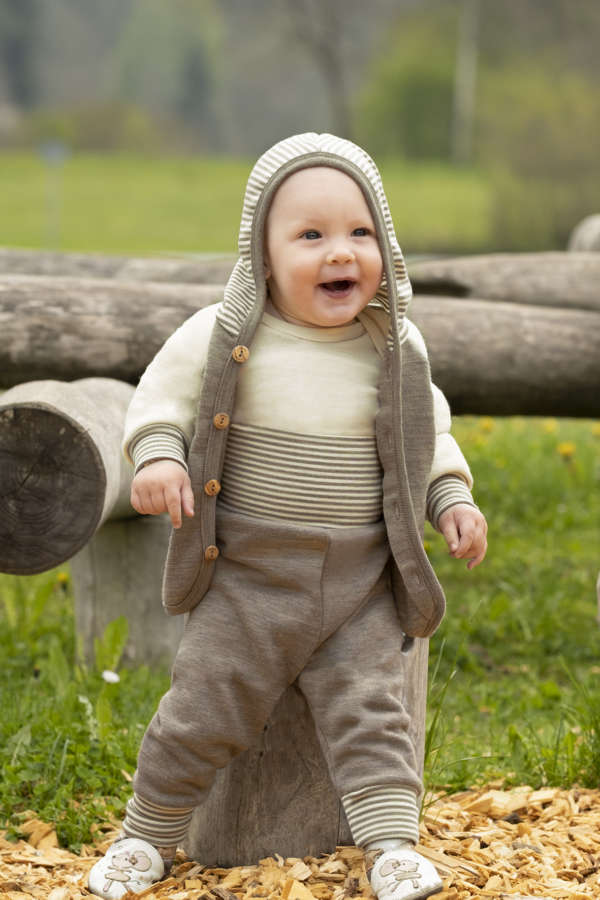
pixel 406 106
pixel 541 141
pixel 164 62
pixel 465 81
pixel 74 51
pixel 19 29
pixel 320 27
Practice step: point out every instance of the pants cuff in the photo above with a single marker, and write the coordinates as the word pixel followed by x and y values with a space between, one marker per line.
pixel 382 812
pixel 159 825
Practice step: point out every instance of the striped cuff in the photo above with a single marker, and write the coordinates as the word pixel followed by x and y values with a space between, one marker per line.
pixel 445 492
pixel 382 812
pixel 162 442
pixel 159 825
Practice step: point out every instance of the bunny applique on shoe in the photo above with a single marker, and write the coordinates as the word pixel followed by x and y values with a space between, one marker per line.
pixel 130 864
pixel 404 874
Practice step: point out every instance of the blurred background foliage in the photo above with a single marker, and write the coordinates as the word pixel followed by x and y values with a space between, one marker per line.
pixel 506 91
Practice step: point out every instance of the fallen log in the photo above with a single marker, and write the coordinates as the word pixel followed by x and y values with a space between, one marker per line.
pixel 68 328
pixel 491 358
pixel 278 796
pixel 62 473
pixel 543 279
pixel 201 268
pixel 512 359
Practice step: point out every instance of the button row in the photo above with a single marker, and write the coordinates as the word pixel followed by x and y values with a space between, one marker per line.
pixel 221 421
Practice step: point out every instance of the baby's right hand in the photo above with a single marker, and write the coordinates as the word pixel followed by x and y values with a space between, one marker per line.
pixel 163 486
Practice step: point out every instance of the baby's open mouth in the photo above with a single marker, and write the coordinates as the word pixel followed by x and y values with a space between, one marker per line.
pixel 337 287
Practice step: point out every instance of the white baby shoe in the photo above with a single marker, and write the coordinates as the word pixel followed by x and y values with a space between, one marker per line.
pixel 404 874
pixel 129 865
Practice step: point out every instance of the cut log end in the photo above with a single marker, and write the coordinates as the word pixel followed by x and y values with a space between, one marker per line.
pixel 52 485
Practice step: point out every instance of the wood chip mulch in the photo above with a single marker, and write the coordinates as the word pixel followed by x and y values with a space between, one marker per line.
pixel 520 844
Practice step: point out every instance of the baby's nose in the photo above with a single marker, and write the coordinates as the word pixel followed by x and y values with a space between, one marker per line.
pixel 340 255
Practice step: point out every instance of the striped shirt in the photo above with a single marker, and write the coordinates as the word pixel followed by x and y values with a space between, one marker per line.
pixel 301 443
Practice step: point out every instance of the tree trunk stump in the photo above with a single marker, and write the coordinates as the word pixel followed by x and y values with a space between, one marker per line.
pixel 119 573
pixel 277 796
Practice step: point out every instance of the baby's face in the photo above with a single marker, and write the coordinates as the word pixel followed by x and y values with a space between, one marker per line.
pixel 323 263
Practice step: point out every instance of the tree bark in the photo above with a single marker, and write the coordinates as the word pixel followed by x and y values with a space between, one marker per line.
pixel 67 328
pixel 511 359
pixel 277 796
pixel 197 269
pixel 542 279
pixel 62 473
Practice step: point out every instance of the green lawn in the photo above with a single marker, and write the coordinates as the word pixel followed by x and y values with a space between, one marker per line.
pixel 143 205
pixel 521 629
pixel 515 661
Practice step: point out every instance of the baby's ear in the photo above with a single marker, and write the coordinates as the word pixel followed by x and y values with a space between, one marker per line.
pixel 266 269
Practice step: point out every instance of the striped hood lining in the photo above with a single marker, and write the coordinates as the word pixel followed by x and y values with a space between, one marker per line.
pixel 245 292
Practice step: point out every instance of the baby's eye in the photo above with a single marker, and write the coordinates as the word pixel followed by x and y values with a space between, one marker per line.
pixel 311 235
pixel 360 232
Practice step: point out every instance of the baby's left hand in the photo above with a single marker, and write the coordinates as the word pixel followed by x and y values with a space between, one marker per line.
pixel 465 530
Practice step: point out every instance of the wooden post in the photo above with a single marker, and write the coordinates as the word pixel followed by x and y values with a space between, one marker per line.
pixel 277 796
pixel 119 573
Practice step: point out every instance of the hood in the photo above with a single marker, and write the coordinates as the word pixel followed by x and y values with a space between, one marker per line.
pixel 245 291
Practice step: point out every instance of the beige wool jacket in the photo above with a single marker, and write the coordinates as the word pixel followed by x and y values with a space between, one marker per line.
pixel 412 423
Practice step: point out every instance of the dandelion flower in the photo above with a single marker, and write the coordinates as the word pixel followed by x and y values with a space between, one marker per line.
pixel 566 449
pixel 110 677
pixel 487 424
pixel 550 426
pixel 596 429
pixel 62 577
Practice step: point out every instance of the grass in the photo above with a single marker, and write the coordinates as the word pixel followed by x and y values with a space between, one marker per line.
pixel 520 643
pixel 513 667
pixel 145 205
pixel 68 737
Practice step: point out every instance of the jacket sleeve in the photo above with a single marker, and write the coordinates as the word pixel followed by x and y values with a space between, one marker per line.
pixel 450 479
pixel 162 411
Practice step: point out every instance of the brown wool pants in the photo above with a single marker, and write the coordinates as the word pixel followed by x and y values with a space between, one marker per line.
pixel 287 603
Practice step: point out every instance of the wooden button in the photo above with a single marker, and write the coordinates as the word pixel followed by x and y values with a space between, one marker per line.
pixel 211 552
pixel 240 353
pixel 221 420
pixel 212 487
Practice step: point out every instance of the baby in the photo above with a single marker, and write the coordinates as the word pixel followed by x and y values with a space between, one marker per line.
pixel 294 437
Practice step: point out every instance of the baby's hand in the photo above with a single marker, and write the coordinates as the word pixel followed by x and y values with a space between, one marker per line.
pixel 163 486
pixel 465 530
